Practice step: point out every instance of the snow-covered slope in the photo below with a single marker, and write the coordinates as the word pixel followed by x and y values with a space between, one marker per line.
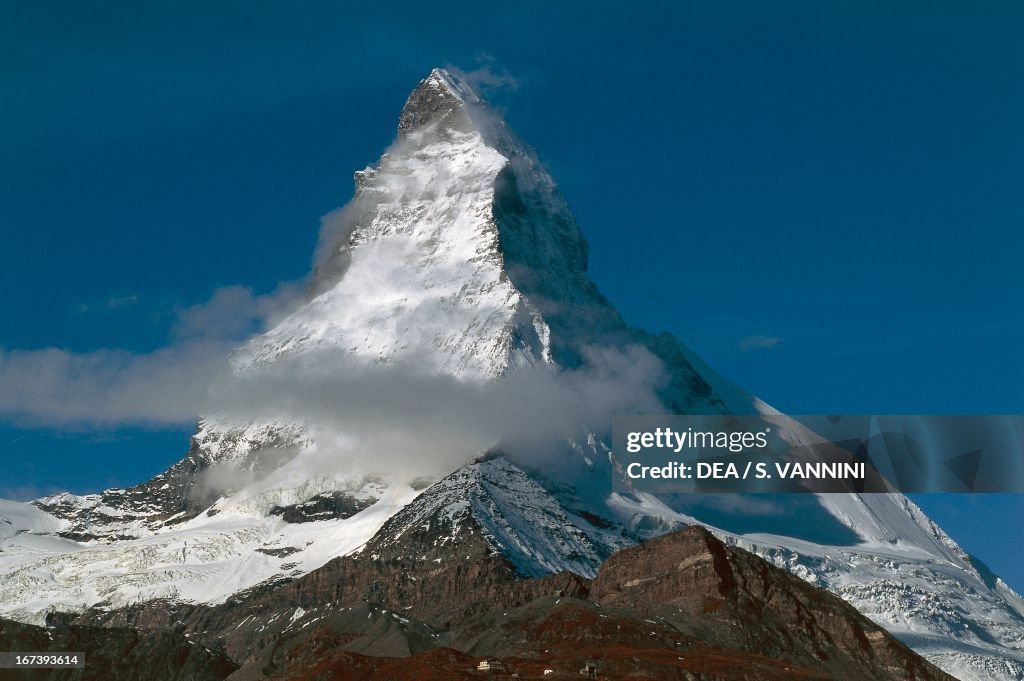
pixel 204 560
pixel 17 518
pixel 517 516
pixel 458 256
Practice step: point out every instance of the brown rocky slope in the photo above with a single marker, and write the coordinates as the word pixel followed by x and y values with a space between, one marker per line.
pixel 683 606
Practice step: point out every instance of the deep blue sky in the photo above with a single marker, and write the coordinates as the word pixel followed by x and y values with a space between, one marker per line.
pixel 841 181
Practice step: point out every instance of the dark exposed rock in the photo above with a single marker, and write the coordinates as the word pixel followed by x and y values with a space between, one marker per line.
pixel 325 506
pixel 684 606
pixel 735 599
pixel 114 654
pixel 594 519
pixel 282 552
pixel 175 496
pixel 434 102
pixel 170 497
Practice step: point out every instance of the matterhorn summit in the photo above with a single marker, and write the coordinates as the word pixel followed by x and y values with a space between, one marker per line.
pixel 445 390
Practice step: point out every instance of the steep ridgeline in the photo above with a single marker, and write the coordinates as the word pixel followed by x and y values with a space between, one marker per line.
pixel 458 255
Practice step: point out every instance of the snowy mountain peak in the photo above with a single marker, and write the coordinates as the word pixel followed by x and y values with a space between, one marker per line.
pixel 459 257
pixel 457 252
pixel 440 97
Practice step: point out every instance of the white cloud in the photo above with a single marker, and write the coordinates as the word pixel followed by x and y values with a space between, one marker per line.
pixel 394 415
pixel 112 387
pixel 489 77
pixel 234 313
pixel 399 417
pixel 112 303
pixel 109 387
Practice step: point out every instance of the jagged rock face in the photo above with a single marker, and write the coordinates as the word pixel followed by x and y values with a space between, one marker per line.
pixel 517 518
pixel 120 514
pixel 440 103
pixel 324 506
pixel 180 493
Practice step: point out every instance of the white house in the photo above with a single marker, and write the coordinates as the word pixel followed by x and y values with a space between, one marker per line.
pixel 490 664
